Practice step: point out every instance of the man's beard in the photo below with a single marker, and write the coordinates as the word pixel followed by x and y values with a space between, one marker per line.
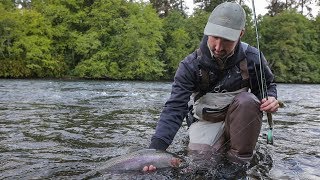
pixel 224 57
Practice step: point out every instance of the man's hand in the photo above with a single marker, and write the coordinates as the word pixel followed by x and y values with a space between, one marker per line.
pixel 149 168
pixel 271 105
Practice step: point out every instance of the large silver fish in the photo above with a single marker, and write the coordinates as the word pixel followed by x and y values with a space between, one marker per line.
pixel 137 160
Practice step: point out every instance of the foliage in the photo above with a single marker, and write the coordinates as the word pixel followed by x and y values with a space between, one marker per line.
pixel 163 7
pixel 194 26
pixel 277 6
pixel 176 40
pixel 209 5
pixel 129 45
pixel 26 44
pixel 291 43
pixel 131 40
pixel 250 34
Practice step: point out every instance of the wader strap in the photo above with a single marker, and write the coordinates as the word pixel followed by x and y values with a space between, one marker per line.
pixel 244 73
pixel 203 78
pixel 244 69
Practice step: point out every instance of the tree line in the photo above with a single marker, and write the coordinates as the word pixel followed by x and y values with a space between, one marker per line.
pixel 129 40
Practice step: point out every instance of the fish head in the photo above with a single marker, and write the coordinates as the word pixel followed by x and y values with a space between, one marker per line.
pixel 176 162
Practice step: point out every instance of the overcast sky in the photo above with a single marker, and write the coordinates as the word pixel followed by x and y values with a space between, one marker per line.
pixel 260 6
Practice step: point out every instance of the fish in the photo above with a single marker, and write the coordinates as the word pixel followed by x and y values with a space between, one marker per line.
pixel 135 161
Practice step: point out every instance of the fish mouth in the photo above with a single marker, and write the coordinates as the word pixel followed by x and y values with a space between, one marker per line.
pixel 176 162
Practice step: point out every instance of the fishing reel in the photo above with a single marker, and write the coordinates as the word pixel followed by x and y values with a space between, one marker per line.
pixel 270 137
pixel 270 131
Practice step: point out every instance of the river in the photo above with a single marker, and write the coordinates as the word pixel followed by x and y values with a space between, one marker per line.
pixel 55 129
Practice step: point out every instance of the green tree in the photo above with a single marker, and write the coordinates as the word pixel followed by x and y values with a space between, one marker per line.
pixel 194 26
pixel 120 39
pixel 176 41
pixel 163 7
pixel 130 35
pixel 7 5
pixel 138 44
pixel 107 19
pixel 290 43
pixel 276 6
pixel 208 5
pixel 26 45
pixel 71 23
pixel 250 34
pixel 316 24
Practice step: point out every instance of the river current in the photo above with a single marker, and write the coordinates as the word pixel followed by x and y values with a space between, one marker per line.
pixel 54 129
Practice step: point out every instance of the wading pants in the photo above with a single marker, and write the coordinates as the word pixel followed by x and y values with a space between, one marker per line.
pixel 236 135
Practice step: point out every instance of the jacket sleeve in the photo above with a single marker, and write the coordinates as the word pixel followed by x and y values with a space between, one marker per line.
pixel 176 107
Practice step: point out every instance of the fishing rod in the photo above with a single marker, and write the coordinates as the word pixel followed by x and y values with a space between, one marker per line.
pixel 263 85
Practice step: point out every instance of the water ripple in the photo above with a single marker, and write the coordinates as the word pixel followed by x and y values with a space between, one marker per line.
pixel 51 129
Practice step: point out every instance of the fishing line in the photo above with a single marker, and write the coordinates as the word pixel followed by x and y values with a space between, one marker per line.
pixel 263 84
pixel 262 77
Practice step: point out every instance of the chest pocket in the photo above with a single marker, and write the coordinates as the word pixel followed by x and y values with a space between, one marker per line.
pixel 213 106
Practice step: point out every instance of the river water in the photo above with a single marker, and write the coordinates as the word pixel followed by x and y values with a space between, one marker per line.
pixel 52 129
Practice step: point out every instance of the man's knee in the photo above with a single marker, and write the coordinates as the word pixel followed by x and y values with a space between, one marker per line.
pixel 246 98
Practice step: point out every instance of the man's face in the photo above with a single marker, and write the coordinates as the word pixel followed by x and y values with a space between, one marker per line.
pixel 221 47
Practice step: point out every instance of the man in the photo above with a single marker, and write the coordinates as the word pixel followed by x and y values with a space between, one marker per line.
pixel 223 79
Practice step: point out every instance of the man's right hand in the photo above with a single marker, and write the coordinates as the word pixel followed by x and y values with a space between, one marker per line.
pixel 270 105
pixel 149 168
